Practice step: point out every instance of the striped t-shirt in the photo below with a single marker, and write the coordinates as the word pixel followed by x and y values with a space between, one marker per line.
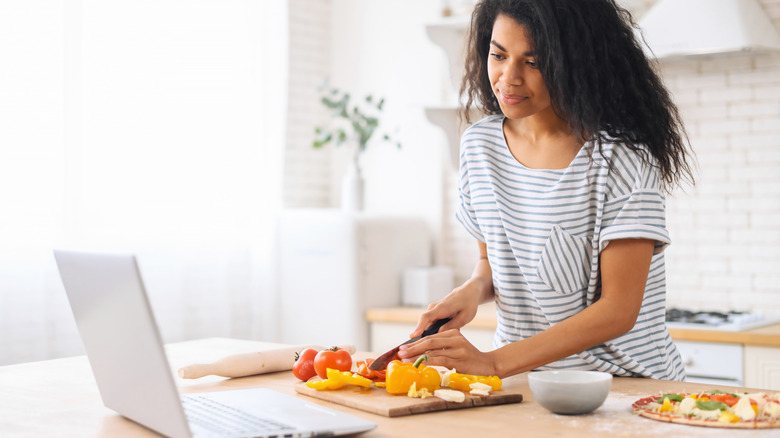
pixel 544 230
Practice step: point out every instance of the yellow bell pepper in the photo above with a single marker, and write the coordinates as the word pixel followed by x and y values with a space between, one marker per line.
pixel 401 376
pixel 462 381
pixel 336 379
pixel 728 417
pixel 322 385
pixel 422 393
pixel 348 378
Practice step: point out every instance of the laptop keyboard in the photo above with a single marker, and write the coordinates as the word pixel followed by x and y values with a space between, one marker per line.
pixel 220 419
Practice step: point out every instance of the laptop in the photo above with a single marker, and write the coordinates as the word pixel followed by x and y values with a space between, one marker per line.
pixel 127 357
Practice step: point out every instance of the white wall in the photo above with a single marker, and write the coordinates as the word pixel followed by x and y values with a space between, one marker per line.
pixel 725 251
pixel 380 47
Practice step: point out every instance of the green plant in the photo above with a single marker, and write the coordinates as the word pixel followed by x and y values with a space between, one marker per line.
pixel 349 122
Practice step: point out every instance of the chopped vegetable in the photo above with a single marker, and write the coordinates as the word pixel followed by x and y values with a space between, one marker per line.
pixel 672 397
pixel 364 370
pixel 337 379
pixel 348 378
pixel 727 399
pixel 463 381
pixel 423 393
pixel 710 405
pixel 479 388
pixel 322 385
pixel 450 395
pixel 401 376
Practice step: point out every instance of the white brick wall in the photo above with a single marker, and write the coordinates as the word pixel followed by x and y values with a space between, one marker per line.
pixel 726 230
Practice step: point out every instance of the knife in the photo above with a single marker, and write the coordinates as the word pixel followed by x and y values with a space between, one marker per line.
pixel 381 362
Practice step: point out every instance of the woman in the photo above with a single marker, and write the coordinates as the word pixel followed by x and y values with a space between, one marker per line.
pixel 563 187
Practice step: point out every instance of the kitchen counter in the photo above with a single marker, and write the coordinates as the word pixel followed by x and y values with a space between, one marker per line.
pixel 768 336
pixel 59 398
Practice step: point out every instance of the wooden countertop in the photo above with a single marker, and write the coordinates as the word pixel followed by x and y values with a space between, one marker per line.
pixel 59 398
pixel 768 336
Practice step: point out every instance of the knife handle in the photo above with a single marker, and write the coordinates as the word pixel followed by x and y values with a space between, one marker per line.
pixel 434 328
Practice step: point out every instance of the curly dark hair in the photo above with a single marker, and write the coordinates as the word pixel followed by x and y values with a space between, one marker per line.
pixel 598 77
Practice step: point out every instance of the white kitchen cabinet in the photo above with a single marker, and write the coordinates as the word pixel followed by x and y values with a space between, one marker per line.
pixel 762 367
pixel 731 364
pixel 333 265
pixel 712 362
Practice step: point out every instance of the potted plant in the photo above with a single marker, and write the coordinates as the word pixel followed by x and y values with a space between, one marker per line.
pixel 355 123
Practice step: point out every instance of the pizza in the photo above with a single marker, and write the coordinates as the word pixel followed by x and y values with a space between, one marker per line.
pixel 713 408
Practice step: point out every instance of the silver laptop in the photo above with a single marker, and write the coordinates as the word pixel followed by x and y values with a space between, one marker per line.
pixel 134 377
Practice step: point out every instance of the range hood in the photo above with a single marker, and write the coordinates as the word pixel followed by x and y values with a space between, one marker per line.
pixel 693 28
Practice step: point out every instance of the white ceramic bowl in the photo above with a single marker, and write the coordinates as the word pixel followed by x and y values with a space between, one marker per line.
pixel 570 391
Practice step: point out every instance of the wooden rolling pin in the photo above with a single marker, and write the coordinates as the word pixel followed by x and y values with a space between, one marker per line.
pixel 249 364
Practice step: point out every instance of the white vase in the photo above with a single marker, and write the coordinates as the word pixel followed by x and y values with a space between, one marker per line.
pixel 352 188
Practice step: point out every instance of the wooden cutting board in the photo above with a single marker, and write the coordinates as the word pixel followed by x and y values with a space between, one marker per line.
pixel 379 401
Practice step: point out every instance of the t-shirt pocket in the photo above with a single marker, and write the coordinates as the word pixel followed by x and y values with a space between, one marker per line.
pixel 564 265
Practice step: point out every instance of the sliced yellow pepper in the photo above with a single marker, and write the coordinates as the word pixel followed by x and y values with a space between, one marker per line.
pixel 345 377
pixel 336 379
pixel 462 381
pixel 322 385
pixel 422 393
pixel 401 376
pixel 667 406
pixel 728 417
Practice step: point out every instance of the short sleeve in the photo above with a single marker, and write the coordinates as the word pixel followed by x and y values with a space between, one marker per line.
pixel 465 213
pixel 636 205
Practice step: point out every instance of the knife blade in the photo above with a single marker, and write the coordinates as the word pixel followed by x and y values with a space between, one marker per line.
pixel 381 362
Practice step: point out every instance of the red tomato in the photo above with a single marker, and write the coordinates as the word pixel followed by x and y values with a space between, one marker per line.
pixel 336 358
pixel 727 399
pixel 304 364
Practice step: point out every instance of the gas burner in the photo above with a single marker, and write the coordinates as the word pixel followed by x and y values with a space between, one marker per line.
pixel 713 320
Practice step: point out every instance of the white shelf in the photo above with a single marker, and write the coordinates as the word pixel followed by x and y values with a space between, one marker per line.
pixel 450 35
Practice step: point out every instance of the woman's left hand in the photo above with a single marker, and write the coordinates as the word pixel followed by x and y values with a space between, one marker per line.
pixel 452 350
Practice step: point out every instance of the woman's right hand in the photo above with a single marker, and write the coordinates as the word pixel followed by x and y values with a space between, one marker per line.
pixel 461 305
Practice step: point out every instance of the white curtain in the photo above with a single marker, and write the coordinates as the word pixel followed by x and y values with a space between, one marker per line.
pixel 152 126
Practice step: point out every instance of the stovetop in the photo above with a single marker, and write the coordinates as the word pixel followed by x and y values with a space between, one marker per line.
pixel 713 320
